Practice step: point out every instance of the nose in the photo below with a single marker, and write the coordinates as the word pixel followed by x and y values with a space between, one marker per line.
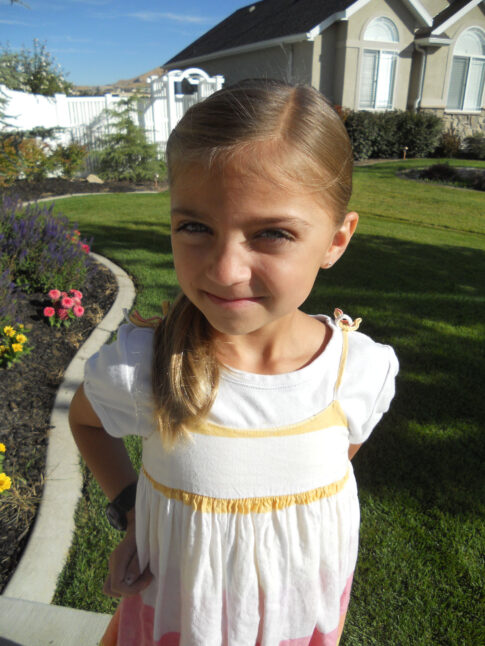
pixel 229 264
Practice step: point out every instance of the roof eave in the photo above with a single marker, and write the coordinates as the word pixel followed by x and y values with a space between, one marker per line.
pixel 432 41
pixel 242 49
pixel 455 17
pixel 414 6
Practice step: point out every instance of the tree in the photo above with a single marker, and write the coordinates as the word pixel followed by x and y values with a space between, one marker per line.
pixel 32 71
pixel 126 153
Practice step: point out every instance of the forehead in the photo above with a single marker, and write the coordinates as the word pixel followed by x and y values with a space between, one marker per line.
pixel 237 176
pixel 235 195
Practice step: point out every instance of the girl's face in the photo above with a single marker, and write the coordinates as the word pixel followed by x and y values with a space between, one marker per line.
pixel 247 251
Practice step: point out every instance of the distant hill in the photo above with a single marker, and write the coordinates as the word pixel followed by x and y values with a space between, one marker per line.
pixel 124 86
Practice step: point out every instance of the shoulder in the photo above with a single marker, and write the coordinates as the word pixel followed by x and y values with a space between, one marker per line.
pixel 119 360
pixel 368 383
pixel 368 356
pixel 117 382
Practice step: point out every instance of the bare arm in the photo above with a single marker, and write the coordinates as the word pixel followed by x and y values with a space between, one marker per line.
pixel 108 461
pixel 353 448
pixel 105 455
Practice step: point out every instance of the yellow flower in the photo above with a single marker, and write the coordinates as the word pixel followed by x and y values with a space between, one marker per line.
pixel 3 348
pixel 17 347
pixel 5 482
pixel 21 338
pixel 2 448
pixel 21 326
pixel 8 330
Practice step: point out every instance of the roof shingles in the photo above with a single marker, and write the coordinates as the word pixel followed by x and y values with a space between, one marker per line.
pixel 267 20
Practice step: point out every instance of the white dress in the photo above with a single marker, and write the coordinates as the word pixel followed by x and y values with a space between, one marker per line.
pixel 251 528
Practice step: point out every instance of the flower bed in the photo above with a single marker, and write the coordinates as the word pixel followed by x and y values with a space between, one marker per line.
pixel 28 385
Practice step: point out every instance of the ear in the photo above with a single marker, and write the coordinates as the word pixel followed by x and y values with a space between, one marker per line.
pixel 340 240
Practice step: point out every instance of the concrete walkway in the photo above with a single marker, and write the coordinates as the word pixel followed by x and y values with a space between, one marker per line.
pixel 27 623
pixel 26 618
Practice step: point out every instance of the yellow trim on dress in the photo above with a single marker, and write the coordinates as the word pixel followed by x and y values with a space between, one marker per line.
pixel 246 505
pixel 343 360
pixel 333 415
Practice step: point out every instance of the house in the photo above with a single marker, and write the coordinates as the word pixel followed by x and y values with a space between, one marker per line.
pixel 362 54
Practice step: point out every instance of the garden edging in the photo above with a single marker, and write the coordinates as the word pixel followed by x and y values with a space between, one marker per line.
pixel 35 577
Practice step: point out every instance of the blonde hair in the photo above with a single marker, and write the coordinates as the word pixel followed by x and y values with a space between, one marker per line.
pixel 289 134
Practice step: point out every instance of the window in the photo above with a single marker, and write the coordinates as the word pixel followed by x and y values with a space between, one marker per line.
pixel 378 66
pixel 467 72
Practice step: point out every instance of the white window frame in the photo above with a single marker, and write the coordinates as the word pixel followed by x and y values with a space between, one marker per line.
pixel 469 61
pixel 381 38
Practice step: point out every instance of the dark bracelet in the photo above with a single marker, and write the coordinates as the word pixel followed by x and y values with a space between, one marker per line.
pixel 117 509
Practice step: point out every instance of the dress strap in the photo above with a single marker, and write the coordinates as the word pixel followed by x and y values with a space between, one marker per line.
pixel 346 324
pixel 343 360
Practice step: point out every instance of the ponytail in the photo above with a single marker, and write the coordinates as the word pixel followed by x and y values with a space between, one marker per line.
pixel 185 371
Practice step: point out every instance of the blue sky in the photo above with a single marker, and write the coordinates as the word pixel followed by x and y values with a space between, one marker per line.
pixel 102 41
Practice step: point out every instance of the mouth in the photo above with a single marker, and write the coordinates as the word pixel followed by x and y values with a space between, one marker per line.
pixel 233 301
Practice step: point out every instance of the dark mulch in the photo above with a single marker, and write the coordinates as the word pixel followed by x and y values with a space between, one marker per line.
pixel 59 186
pixel 27 393
pixel 455 176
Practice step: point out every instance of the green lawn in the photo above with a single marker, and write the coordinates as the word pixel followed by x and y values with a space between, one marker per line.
pixel 415 273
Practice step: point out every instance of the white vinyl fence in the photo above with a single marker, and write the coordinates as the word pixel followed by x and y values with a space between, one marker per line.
pixel 86 120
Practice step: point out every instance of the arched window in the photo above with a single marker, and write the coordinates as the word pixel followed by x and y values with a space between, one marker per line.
pixel 378 66
pixel 467 71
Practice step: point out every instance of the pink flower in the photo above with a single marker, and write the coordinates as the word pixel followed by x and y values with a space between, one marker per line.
pixel 63 314
pixel 67 302
pixel 78 310
pixel 49 311
pixel 85 247
pixel 76 294
pixel 54 294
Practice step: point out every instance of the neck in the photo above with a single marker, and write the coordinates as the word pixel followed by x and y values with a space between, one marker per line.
pixel 291 345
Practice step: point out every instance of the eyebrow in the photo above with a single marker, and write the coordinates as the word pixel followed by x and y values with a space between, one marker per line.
pixel 271 220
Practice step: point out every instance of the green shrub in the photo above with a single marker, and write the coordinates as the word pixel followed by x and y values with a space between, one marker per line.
pixel 419 131
pixel 386 141
pixel 362 129
pixel 126 153
pixel 441 173
pixel 70 158
pixel 449 144
pixel 478 182
pixel 23 157
pixel 386 134
pixel 474 146
pixel 9 161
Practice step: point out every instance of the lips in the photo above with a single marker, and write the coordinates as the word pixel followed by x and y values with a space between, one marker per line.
pixel 219 300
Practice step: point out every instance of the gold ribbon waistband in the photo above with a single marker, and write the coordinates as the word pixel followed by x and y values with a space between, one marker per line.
pixel 260 505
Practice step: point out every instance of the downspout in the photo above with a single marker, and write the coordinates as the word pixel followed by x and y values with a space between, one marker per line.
pixel 424 56
pixel 289 68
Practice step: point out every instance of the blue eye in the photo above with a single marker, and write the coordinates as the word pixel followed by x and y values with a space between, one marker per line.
pixel 276 234
pixel 192 227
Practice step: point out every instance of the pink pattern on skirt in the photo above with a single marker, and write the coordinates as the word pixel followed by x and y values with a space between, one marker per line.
pixel 136 626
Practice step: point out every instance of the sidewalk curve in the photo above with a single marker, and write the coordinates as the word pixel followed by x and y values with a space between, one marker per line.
pixel 35 577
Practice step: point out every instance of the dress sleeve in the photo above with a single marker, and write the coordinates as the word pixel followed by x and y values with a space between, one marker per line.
pixel 117 382
pixel 368 386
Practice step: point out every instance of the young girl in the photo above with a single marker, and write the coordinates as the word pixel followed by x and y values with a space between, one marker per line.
pixel 246 521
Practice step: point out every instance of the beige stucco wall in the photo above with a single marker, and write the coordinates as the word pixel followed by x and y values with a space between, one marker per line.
pixel 329 62
pixel 405 23
pixel 434 7
pixel 289 62
pixel 436 83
